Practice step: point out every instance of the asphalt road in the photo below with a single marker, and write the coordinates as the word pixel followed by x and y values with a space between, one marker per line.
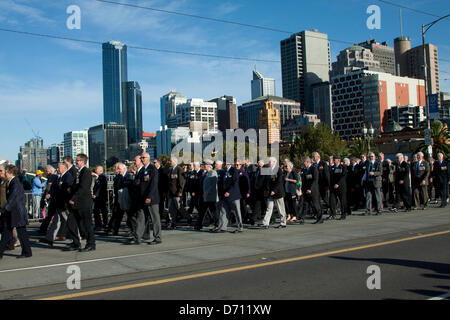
pixel 413 269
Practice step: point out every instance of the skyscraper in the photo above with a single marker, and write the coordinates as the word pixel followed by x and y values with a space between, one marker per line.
pixel 305 60
pixel 76 142
pixel 33 156
pixel 168 105
pixel 134 111
pixel 115 76
pixel 262 86
pixel 107 144
pixel 355 58
pixel 226 112
pixel 382 53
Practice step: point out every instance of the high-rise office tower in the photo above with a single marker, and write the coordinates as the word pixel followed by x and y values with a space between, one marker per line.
pixel 107 144
pixel 115 76
pixel 226 112
pixel 134 112
pixel 355 58
pixel 305 60
pixel 168 105
pixel 262 86
pixel 381 53
pixel 76 142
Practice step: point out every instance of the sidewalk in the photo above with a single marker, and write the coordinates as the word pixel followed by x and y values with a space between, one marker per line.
pixel 183 247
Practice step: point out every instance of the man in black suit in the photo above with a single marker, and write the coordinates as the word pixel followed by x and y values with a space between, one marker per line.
pixel 421 172
pixel 230 199
pixel 362 167
pixel 338 187
pixel 61 200
pixel 372 183
pixel 81 202
pixel 49 195
pixel 176 186
pixel 310 189
pixel 100 197
pixel 195 190
pixel 258 201
pixel 163 186
pixel 146 202
pixel 324 179
pixel 402 183
pixel 274 192
pixel 72 170
pixel 14 214
pixel 440 178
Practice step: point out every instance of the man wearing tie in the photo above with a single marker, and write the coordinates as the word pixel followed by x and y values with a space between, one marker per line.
pixel 81 202
pixel 176 185
pixel 420 181
pixel 402 184
pixel 338 176
pixel 372 181
pixel 310 189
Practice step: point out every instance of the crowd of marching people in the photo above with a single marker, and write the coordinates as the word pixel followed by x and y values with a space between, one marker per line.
pixel 216 194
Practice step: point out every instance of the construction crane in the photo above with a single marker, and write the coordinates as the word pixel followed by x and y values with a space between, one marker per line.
pixel 35 137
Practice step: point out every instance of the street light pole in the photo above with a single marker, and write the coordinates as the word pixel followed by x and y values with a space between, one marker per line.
pixel 425 28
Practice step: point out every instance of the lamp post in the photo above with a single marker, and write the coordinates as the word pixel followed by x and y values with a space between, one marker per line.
pixel 368 134
pixel 425 28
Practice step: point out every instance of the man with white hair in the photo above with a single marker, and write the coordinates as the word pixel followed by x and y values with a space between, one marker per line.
pixel 176 185
pixel 402 183
pixel 274 192
pixel 440 178
pixel 195 190
pixel 49 195
pixel 421 172
pixel 372 181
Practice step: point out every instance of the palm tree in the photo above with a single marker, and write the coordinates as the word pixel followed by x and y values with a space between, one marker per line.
pixel 440 134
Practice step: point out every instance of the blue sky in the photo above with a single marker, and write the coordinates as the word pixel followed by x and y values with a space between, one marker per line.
pixel 57 85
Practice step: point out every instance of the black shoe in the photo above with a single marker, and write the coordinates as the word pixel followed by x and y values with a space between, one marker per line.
pixel 24 256
pixel 71 248
pixel 394 210
pixel 318 221
pixel 262 226
pixel 238 231
pixel 342 218
pixel 87 248
pixel 133 241
pixel 280 226
pixel 331 218
pixel 218 231
pixel 155 242
pixel 46 241
pixel 302 221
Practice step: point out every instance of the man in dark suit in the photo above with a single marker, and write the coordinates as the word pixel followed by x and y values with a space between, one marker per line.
pixel 440 178
pixel 244 187
pixel 324 179
pixel 402 184
pixel 81 202
pixel 100 197
pixel 353 184
pixel 257 181
pixel 146 202
pixel 163 185
pixel 362 167
pixel 310 189
pixel 195 190
pixel 49 195
pixel 420 181
pixel 231 196
pixel 274 192
pixel 372 181
pixel 176 185
pixel 61 200
pixel 338 186
pixel 14 214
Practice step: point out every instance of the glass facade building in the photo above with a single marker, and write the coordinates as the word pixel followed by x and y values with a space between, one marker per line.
pixel 115 76
pixel 134 110
pixel 107 144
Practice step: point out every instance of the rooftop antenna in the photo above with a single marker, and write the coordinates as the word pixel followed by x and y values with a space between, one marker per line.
pixel 401 22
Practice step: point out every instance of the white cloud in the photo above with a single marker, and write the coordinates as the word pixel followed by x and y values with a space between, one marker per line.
pixel 30 14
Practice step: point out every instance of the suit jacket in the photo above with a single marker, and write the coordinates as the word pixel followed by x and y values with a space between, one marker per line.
pixel 338 176
pixel 163 180
pixel 62 194
pixel 353 175
pixel 324 174
pixel 220 178
pixel 244 183
pixel 147 186
pixel 441 171
pixel 377 169
pixel 82 195
pixel 195 182
pixel 362 167
pixel 14 212
pixel 209 184
pixel 2 193
pixel 420 174
pixel 275 183
pixel 310 180
pixel 231 184
pixel 176 180
pixel 402 173
pixel 100 190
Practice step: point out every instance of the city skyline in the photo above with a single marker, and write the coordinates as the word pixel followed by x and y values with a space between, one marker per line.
pixel 63 91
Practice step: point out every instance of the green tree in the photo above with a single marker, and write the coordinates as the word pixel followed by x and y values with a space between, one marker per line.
pixel 319 138
pixel 440 134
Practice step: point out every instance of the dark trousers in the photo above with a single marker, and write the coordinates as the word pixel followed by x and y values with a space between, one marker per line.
pixel 116 219
pixel 402 193
pixel 443 183
pixel 100 214
pixel 81 219
pixel 22 235
pixel 311 202
pixel 211 206
pixel 290 204
pixel 259 206
pixel 51 211
pixel 325 196
pixel 420 193
pixel 340 194
pixel 9 239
